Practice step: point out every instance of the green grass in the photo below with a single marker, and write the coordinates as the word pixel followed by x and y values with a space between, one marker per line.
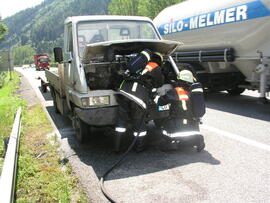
pixel 2 78
pixel 41 176
pixel 9 103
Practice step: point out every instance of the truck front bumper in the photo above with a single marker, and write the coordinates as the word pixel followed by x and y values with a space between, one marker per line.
pixel 101 116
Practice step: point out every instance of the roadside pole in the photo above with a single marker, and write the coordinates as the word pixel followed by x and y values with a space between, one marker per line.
pixel 9 64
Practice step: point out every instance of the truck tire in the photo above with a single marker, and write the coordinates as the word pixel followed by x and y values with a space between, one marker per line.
pixel 82 129
pixel 54 100
pixel 43 86
pixel 236 91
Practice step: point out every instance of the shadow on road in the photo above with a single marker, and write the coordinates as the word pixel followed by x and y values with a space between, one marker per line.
pixel 241 105
pixel 46 95
pixel 98 154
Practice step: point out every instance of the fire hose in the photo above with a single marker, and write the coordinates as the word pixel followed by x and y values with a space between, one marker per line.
pixel 102 179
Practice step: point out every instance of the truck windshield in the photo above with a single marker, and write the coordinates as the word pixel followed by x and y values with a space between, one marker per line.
pixel 43 60
pixel 93 32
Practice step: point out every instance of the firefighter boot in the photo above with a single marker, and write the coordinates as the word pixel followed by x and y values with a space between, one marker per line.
pixel 169 145
pixel 140 144
pixel 200 143
pixel 196 140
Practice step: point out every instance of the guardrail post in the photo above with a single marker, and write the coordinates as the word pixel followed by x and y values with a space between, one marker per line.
pixel 8 176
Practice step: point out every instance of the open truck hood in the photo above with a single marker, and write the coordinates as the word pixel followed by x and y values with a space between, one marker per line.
pixel 125 47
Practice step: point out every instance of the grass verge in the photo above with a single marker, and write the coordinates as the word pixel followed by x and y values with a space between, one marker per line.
pixel 41 176
pixel 9 103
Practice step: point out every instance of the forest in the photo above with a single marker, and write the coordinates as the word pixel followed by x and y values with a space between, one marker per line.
pixel 40 28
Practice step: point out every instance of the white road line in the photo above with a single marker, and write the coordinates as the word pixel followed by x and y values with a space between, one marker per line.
pixel 237 137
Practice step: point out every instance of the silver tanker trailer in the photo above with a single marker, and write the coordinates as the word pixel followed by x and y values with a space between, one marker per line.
pixel 227 42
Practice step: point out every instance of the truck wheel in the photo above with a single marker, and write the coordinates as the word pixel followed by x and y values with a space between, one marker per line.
pixel 83 130
pixel 54 100
pixel 236 91
pixel 43 86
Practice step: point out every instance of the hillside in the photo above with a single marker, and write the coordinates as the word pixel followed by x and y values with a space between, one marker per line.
pixel 42 26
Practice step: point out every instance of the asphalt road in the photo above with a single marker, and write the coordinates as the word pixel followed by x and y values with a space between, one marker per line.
pixel 234 167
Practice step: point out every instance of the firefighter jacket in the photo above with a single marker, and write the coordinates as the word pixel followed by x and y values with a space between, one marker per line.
pixel 185 102
pixel 139 87
pixel 152 75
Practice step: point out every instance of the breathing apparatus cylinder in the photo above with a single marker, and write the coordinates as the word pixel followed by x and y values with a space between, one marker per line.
pixel 197 100
pixel 140 61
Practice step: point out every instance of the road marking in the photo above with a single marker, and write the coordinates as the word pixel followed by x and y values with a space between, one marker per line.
pixel 237 137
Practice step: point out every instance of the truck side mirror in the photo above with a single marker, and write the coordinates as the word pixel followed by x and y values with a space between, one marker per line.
pixel 58 54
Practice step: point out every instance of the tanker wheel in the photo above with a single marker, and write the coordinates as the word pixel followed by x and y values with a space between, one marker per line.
pixel 82 129
pixel 236 91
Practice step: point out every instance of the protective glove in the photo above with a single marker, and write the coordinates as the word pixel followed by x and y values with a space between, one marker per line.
pixel 172 95
pixel 169 97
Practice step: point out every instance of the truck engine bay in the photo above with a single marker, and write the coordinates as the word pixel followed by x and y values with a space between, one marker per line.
pixel 105 63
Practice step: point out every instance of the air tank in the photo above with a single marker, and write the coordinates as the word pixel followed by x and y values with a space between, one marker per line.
pixel 242 25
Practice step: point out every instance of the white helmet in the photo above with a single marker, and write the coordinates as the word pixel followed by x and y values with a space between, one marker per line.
pixel 186 75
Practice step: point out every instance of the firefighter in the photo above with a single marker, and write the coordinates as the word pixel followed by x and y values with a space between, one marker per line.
pixel 186 102
pixel 135 93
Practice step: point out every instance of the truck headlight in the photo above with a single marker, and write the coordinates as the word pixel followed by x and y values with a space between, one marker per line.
pixel 96 101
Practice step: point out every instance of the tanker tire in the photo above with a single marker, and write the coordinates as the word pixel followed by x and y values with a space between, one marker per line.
pixel 236 91
pixel 82 129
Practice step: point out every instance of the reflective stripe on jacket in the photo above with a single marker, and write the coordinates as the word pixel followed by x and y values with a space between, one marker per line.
pixel 182 94
pixel 149 67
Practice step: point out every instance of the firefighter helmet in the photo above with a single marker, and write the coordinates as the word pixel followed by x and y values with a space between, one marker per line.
pixel 157 57
pixel 186 76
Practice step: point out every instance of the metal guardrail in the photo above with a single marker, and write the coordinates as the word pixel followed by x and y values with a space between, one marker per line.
pixel 8 176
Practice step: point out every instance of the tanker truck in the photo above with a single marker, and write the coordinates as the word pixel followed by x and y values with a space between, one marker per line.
pixel 226 43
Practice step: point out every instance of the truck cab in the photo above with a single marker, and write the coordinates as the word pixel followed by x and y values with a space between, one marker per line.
pixel 42 61
pixel 92 62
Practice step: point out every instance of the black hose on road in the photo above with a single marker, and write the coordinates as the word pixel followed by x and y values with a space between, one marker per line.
pixel 102 179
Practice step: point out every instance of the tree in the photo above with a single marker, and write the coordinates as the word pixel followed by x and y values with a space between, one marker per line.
pixel 149 8
pixel 123 7
pixel 23 55
pixel 3 29
pixel 42 26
